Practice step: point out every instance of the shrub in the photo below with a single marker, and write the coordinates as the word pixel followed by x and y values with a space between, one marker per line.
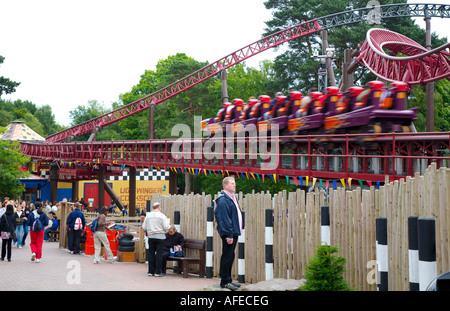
pixel 324 271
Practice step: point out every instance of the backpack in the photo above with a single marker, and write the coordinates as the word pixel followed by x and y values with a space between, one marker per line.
pixel 37 224
pixel 78 224
pixel 94 225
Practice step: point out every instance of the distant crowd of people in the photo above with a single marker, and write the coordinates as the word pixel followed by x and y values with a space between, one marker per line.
pixel 162 240
pixel 20 219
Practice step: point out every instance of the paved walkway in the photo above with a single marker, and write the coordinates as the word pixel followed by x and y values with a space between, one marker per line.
pixel 61 271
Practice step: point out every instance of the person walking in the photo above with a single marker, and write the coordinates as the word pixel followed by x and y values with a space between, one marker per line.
pixel 100 237
pixel 37 221
pixel 27 210
pixel 229 226
pixel 8 231
pixel 76 224
pixel 20 220
pixel 156 224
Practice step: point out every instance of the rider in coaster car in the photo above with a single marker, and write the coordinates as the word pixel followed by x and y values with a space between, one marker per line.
pixel 388 97
pixel 252 101
pixel 289 104
pixel 364 98
pixel 234 110
pixel 222 111
pixel 347 101
pixel 259 106
pixel 274 105
pixel 308 104
pixel 322 103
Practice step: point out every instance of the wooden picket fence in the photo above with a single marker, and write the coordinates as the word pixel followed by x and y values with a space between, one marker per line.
pixel 297 227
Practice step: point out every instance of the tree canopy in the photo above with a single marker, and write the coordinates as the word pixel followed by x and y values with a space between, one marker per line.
pixel 11 161
pixel 7 86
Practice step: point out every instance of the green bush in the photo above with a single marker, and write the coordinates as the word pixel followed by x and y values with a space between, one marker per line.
pixel 325 271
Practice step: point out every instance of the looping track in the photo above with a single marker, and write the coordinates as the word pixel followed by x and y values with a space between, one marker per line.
pixel 419 66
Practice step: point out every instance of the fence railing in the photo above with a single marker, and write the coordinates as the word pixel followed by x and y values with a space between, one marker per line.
pixel 353 213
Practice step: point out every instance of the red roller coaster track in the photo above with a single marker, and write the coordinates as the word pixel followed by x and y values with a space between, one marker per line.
pixel 419 66
pixel 392 155
pixel 294 32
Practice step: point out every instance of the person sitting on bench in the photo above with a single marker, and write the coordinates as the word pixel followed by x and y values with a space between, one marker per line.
pixel 53 224
pixel 174 241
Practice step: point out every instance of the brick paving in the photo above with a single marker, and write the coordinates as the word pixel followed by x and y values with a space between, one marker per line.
pixel 61 271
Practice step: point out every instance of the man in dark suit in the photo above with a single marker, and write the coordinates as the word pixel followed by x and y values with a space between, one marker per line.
pixel 229 226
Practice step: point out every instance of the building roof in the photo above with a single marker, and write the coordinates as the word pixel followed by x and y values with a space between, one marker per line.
pixel 19 131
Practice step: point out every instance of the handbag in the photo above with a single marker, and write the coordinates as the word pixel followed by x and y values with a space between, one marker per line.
pixel 179 254
pixel 5 235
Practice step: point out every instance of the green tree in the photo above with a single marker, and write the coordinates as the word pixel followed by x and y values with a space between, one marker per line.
pixel 179 109
pixel 5 117
pixel 7 86
pixel 324 271
pixel 46 117
pixel 417 98
pixel 244 82
pixel 90 111
pixel 211 183
pixel 11 161
pixel 39 119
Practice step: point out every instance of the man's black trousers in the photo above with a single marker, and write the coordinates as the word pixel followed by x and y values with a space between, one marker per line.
pixel 226 260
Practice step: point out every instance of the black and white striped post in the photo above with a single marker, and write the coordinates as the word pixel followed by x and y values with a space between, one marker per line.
pixel 209 240
pixel 241 253
pixel 176 224
pixel 176 220
pixel 426 231
pixel 413 253
pixel 325 225
pixel 148 209
pixel 382 253
pixel 269 244
pixel 148 206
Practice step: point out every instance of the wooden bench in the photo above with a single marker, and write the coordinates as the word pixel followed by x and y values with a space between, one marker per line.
pixel 184 262
pixel 53 236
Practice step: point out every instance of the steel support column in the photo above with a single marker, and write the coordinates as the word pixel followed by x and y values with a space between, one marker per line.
pixel 430 85
pixel 75 187
pixel 101 187
pixel 132 191
pixel 54 182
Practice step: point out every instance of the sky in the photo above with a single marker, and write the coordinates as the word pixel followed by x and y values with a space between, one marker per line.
pixel 65 53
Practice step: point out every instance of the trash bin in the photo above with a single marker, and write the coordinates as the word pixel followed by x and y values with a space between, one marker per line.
pixel 89 245
pixel 113 240
pixel 441 283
